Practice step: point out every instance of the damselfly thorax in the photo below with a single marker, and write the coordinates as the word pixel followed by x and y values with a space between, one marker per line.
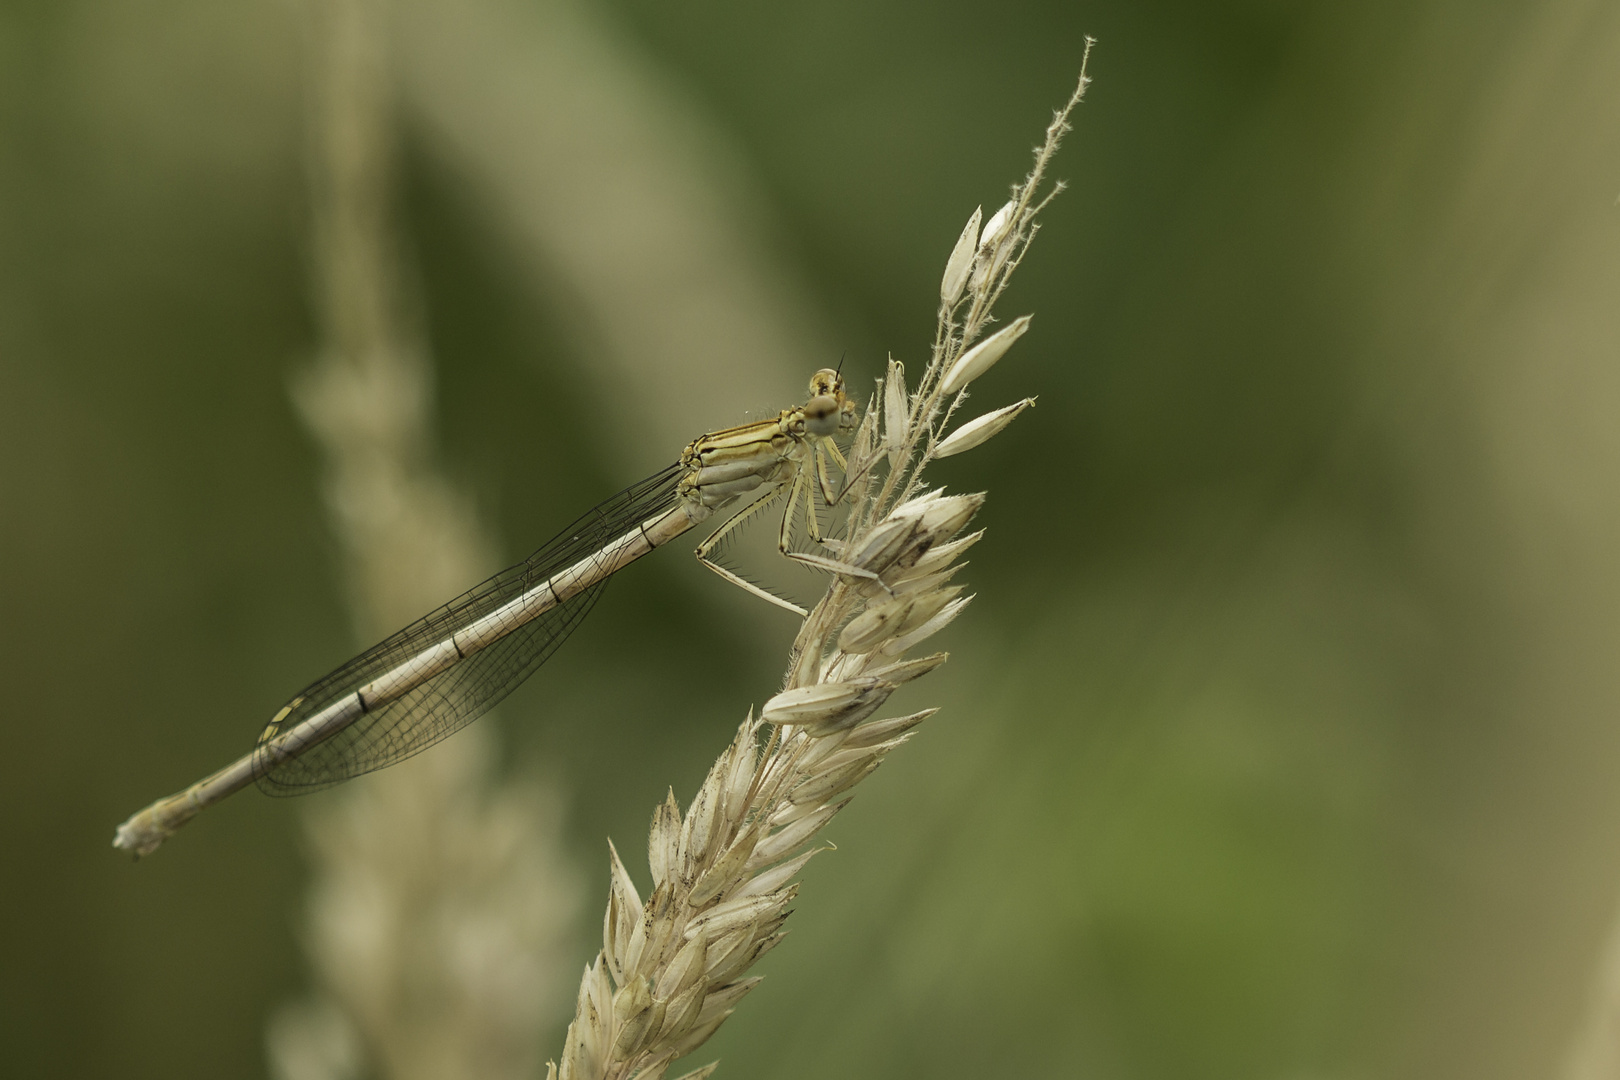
pixel 763 459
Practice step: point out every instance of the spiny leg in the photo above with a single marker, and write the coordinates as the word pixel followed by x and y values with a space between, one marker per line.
pixel 812 523
pixel 709 545
pixel 801 483
pixel 732 523
pixel 784 538
pixel 834 566
pixel 827 491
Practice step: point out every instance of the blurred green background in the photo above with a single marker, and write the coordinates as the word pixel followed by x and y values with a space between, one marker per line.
pixel 1283 738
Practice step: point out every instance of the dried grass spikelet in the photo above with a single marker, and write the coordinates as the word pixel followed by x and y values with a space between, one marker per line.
pixel 674 964
pixel 981 429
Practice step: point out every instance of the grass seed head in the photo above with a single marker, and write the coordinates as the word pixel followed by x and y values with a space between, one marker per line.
pixel 674 966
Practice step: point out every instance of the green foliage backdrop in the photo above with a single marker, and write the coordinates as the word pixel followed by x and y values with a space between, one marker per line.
pixel 1282 741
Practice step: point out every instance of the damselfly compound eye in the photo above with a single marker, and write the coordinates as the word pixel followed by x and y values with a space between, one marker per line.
pixel 822 415
pixel 826 382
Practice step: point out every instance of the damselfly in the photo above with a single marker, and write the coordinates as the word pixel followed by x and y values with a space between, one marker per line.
pixel 443 671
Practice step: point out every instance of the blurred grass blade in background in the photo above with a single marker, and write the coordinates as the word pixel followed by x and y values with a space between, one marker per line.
pixel 440 899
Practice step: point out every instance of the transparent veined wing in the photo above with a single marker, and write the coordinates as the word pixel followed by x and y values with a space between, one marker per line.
pixel 465 690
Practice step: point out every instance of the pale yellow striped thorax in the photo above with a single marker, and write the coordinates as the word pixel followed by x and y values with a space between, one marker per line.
pixel 725 465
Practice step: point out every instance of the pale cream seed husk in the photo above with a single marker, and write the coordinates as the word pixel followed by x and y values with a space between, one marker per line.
pixel 633 1013
pixel 659 924
pixel 787 813
pixel 769 943
pixel 696 829
pixel 636 947
pixel 726 871
pixel 881 622
pixel 943 518
pixel 685 969
pixel 983 356
pixel 792 836
pixel 997 227
pixel 816 748
pixel 663 840
pixel 740 961
pixel 918 584
pixel 875 625
pixel 777 876
pixel 682 1012
pixel 943 554
pixel 655 1068
pixel 727 916
pixel 879 730
pixel 873 752
pixel 818 789
pixel 622 885
pixel 981 429
pixel 926 607
pixel 700 1033
pixel 616 934
pixel 885 544
pixel 741 776
pixel 960 261
pixel 837 762
pixel 870 701
pixel 895 409
pixel 904 671
pixel 808 704
pixel 713 823
pixel 915 506
pixel 725 998
pixel 723 948
pixel 928 629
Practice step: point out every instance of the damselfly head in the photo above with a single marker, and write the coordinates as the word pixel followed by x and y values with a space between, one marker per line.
pixel 829 409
